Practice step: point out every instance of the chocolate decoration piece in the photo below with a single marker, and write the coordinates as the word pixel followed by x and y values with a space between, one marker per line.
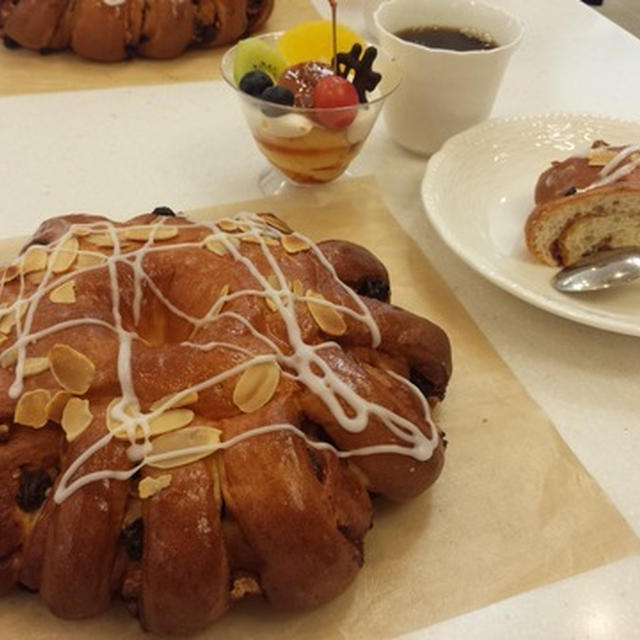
pixel 364 78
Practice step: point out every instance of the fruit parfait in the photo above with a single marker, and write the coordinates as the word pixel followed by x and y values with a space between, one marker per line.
pixel 310 112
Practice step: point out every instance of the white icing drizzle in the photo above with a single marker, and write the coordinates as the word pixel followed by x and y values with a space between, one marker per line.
pixel 302 361
pixel 616 168
pixel 624 153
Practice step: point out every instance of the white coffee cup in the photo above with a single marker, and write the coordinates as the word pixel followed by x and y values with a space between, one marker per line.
pixel 443 92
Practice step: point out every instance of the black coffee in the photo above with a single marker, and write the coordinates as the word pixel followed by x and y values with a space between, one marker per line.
pixel 447 38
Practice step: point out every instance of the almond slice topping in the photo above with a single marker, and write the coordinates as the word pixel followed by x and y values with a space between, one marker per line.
pixel 228 225
pixel 31 408
pixel 275 222
pixel 254 239
pixel 151 485
pixel 273 282
pixel 9 319
pixel 76 417
pixel 56 405
pixel 204 438
pixel 10 273
pixel 65 255
pixel 325 314
pixel 256 386
pixel 220 301
pixel 3 339
pixel 7 322
pixel 297 287
pixel 101 239
pixel 270 240
pixel 294 244
pixel 251 239
pixel 168 421
pixel 73 371
pixel 86 259
pixel 34 366
pixel 215 246
pixel 35 259
pixel 174 401
pixel 157 232
pixel 8 358
pixel 600 157
pixel 36 277
pixel 64 294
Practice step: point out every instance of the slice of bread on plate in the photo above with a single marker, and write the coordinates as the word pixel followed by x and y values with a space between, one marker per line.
pixel 585 204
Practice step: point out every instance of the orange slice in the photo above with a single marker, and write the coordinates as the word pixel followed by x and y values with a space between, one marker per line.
pixel 313 41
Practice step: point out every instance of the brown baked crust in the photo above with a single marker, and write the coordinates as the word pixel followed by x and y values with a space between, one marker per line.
pixel 231 21
pixel 575 173
pixel 272 515
pixel 564 197
pixel 258 12
pixel 32 24
pixel 111 32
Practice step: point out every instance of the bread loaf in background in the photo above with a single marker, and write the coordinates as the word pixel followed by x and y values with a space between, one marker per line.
pixel 113 30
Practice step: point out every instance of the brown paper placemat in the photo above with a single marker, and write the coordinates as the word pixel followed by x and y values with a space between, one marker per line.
pixel 26 71
pixel 513 510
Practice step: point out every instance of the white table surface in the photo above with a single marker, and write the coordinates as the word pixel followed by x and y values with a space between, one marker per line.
pixel 122 151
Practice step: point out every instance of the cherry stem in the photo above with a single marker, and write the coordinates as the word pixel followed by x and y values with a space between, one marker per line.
pixel 334 33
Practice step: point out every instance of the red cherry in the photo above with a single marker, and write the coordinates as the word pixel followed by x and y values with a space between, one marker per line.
pixel 331 92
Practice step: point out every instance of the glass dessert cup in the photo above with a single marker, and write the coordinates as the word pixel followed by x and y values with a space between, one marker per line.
pixel 299 147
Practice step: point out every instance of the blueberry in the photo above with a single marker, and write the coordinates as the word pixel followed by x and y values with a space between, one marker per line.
pixel 255 82
pixel 278 95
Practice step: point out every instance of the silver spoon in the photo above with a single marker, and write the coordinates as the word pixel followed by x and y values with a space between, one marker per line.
pixel 601 270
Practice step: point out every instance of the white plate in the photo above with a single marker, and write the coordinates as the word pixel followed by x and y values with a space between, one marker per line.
pixel 478 191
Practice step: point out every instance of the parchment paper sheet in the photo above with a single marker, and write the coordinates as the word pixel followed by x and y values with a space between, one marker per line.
pixel 513 509
pixel 25 71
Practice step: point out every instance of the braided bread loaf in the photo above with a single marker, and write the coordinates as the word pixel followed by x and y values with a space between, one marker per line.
pixel 112 30
pixel 195 413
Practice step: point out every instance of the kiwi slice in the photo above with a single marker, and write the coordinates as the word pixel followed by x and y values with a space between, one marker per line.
pixel 252 54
